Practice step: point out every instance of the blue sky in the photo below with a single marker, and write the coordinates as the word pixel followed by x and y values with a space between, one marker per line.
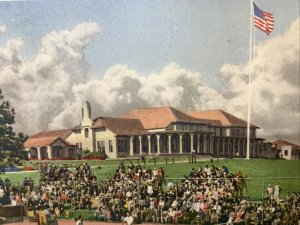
pixel 147 35
pixel 189 54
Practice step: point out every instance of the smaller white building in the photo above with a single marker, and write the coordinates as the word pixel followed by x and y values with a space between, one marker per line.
pixel 287 150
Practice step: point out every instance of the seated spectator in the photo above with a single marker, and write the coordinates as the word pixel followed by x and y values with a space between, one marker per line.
pixel 128 220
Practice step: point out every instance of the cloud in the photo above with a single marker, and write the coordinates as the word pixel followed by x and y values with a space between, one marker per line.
pixel 276 85
pixel 2 28
pixel 123 89
pixel 41 88
pixel 48 91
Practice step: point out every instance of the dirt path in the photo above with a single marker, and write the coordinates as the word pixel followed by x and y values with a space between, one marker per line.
pixel 72 222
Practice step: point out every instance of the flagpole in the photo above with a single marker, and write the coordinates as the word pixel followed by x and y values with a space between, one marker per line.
pixel 250 81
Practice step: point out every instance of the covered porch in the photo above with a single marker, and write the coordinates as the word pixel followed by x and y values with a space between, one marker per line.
pixel 55 149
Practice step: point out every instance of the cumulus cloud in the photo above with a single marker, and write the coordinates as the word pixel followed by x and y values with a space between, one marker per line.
pixel 41 88
pixel 2 28
pixel 48 91
pixel 123 89
pixel 276 97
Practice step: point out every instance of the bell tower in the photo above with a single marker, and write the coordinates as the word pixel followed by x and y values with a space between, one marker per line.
pixel 86 115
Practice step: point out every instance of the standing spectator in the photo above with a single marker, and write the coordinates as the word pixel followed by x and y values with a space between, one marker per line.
pixel 270 191
pixel 276 193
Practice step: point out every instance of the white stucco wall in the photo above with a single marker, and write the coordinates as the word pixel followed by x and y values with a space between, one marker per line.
pixel 289 152
pixel 106 135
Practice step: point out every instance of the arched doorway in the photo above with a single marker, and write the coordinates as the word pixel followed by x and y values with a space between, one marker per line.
pixel 226 147
pixel 33 153
pixel 44 153
pixel 57 152
pixel 136 145
pixel 153 144
pixel 163 142
pixel 175 148
pixel 145 143
pixel 221 150
pixel 201 144
pixel 186 143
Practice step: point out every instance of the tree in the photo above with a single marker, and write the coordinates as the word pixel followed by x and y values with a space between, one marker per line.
pixel 11 144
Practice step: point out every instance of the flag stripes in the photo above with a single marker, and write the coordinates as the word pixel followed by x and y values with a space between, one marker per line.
pixel 263 20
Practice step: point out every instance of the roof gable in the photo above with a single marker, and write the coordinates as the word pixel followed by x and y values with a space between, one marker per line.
pixel 159 117
pixel 43 141
pixel 46 138
pixel 224 118
pixel 120 126
pixel 279 143
pixel 53 133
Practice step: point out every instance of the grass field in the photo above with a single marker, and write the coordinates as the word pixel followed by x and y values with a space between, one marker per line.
pixel 260 172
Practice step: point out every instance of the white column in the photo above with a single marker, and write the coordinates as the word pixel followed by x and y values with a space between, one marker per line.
pixel 192 142
pixel 180 143
pixel 140 139
pixel 49 151
pixel 131 146
pixel 39 153
pixel 149 144
pixel 158 145
pixel 169 143
pixel 198 143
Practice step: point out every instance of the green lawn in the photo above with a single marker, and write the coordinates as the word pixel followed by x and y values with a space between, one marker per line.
pixel 260 172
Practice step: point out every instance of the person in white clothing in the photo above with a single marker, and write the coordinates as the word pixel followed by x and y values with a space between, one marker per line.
pixel 79 221
pixel 276 193
pixel 128 220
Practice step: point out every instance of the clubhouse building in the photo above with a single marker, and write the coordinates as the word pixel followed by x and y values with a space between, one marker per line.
pixel 150 131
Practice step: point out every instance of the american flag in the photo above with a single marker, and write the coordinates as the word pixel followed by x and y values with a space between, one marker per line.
pixel 263 20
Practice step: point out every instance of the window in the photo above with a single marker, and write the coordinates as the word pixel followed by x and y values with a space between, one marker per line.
pixel 101 146
pixel 110 146
pixel 86 132
pixel 72 152
pixel 286 152
pixel 122 146
pixel 78 148
pixel 243 132
pixel 253 133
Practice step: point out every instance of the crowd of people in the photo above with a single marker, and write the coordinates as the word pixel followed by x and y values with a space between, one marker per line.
pixel 207 194
pixel 9 193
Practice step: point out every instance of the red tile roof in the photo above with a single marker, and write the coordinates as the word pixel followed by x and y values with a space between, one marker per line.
pixel 279 143
pixel 43 142
pixel 224 118
pixel 120 126
pixel 54 133
pixel 160 117
pixel 45 138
